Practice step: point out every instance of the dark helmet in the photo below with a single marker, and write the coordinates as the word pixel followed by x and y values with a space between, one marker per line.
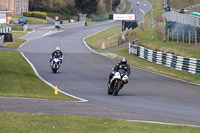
pixel 123 60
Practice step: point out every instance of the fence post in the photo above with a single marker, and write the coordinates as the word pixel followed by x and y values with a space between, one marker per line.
pixel 189 37
pixel 183 36
pixel 164 33
pixel 177 35
pixel 195 38
pixel 156 27
pixel 168 34
pixel 172 35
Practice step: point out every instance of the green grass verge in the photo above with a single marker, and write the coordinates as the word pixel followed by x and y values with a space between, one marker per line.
pixel 138 62
pixel 128 7
pixel 32 20
pixel 96 41
pixel 102 15
pixel 16 41
pixel 175 47
pixel 60 15
pixel 179 4
pixel 144 38
pixel 15 27
pixel 40 123
pixel 18 79
pixel 158 10
pixel 93 23
pixel 104 39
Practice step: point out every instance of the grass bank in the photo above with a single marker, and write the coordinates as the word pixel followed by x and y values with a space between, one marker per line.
pixel 179 4
pixel 31 20
pixel 157 10
pixel 104 39
pixel 16 40
pixel 128 7
pixel 137 62
pixel 18 79
pixel 38 123
pixel 178 48
pixel 96 41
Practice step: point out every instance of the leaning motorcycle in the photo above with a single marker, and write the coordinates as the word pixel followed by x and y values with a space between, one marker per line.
pixel 117 82
pixel 55 64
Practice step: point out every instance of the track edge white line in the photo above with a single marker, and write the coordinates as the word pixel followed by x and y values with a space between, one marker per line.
pixel 52 86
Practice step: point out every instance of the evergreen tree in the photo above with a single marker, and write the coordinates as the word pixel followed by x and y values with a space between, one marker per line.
pixel 86 6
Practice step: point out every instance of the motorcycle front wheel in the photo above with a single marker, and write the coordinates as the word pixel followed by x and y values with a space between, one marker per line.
pixel 110 91
pixel 117 88
pixel 54 70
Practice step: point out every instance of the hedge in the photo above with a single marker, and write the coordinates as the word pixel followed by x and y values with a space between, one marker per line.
pixel 36 14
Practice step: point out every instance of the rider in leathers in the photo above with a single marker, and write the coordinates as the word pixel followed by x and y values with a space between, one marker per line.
pixel 57 53
pixel 121 65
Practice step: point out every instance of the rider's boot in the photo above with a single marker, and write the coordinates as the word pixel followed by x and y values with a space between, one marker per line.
pixel 108 84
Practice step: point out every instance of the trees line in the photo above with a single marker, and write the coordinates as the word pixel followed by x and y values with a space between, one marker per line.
pixel 69 7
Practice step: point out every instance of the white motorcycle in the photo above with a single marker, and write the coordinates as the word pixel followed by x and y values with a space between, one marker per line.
pixel 117 82
pixel 55 64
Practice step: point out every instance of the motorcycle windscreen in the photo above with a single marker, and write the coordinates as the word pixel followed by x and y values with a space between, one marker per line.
pixel 121 71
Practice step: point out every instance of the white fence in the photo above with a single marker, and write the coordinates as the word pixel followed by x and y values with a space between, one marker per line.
pixel 5 29
pixel 190 65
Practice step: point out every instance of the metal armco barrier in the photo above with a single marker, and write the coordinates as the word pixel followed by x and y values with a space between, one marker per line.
pixel 190 65
pixel 1 40
pixel 5 29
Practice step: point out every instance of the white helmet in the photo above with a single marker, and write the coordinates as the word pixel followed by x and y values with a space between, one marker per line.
pixel 57 48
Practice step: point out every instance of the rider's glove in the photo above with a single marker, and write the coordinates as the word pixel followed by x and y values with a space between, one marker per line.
pixel 113 72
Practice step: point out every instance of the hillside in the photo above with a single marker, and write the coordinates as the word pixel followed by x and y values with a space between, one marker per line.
pixel 179 4
pixel 68 8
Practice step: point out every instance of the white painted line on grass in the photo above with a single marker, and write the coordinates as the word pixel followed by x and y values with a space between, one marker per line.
pixel 135 66
pixel 37 74
pixel 36 99
pixel 28 33
pixel 23 43
pixel 163 123
pixel 144 70
pixel 129 9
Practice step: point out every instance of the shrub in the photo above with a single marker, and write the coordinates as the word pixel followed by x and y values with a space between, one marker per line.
pixel 36 14
pixel 60 15
pixel 39 15
pixel 27 14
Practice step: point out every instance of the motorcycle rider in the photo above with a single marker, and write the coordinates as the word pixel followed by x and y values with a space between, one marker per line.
pixel 121 65
pixel 57 53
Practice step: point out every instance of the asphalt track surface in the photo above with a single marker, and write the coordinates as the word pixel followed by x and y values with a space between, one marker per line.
pixel 148 96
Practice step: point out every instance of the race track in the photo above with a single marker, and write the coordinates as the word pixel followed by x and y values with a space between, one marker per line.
pixel 147 96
